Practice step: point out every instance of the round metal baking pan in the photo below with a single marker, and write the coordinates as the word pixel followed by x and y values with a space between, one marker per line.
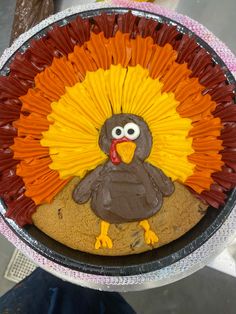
pixel 133 264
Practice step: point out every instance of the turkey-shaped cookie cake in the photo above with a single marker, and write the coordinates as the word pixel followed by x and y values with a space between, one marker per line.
pixel 115 120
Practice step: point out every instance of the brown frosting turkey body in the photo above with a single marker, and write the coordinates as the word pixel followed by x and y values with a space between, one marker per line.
pixel 125 192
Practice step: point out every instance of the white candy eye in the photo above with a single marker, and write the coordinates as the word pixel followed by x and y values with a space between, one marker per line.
pixel 117 132
pixel 132 131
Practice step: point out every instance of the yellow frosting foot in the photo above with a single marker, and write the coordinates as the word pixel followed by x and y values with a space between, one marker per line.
pixel 103 240
pixel 149 235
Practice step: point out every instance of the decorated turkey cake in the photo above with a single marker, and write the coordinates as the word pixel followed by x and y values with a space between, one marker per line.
pixel 117 132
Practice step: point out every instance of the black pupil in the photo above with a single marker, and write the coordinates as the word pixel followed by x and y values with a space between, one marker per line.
pixel 118 131
pixel 130 131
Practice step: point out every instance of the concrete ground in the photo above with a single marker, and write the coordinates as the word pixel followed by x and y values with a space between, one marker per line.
pixel 205 292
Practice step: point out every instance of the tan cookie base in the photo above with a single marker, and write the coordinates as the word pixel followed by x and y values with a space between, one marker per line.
pixel 77 226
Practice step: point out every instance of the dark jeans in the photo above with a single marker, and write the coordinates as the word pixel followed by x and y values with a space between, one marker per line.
pixel 42 293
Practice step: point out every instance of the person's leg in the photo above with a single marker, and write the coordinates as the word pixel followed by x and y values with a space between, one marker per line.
pixel 42 293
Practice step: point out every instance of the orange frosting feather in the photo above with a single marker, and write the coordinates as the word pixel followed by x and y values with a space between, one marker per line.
pixel 28 148
pixel 120 48
pixel 176 74
pixel 211 161
pixel 31 125
pixel 64 70
pixel 49 84
pixel 53 80
pixel 162 60
pixel 211 127
pixel 34 168
pixel 197 108
pixel 199 181
pixel 200 144
pixel 82 62
pixel 141 51
pixel 41 183
pixel 97 45
pixel 35 101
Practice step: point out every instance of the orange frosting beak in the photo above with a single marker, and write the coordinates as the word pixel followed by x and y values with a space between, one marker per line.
pixel 126 151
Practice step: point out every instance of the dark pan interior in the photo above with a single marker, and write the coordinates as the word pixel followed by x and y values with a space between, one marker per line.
pixel 133 264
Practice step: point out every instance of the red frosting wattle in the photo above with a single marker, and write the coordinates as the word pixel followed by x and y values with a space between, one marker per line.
pixel 115 158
